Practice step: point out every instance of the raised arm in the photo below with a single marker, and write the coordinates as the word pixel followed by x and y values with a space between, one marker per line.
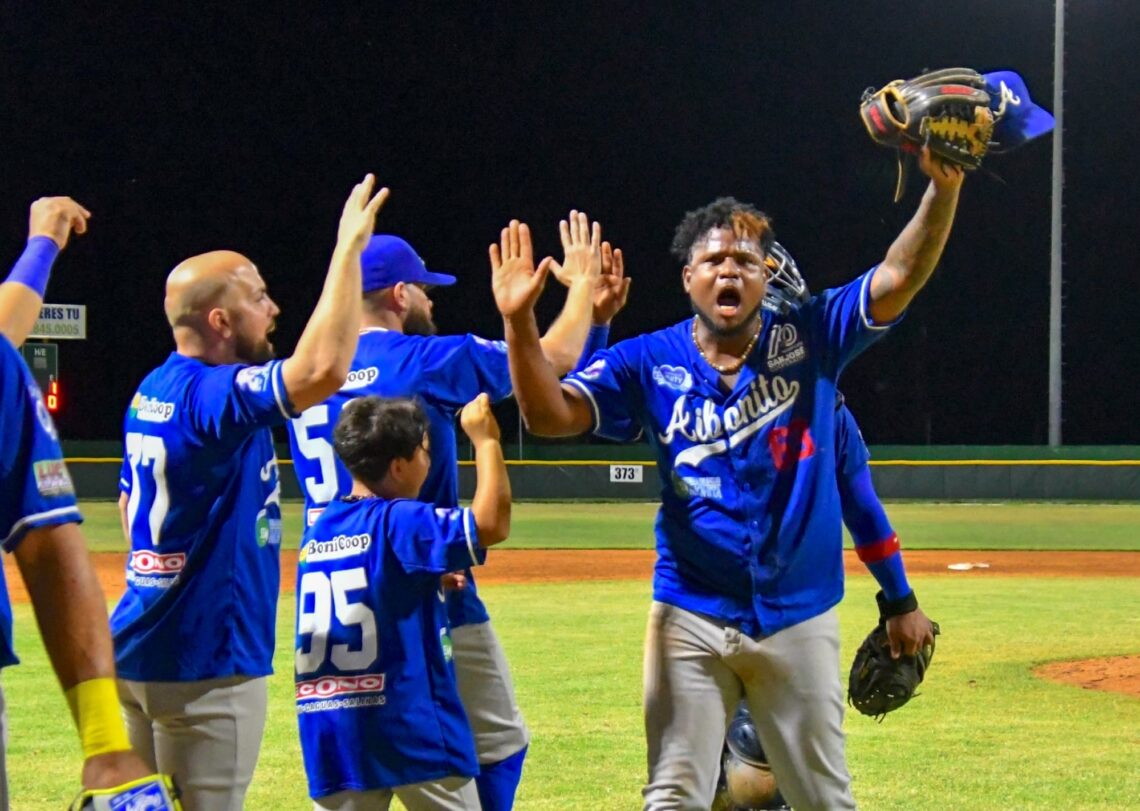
pixel 547 408
pixel 914 254
pixel 611 291
pixel 50 222
pixel 72 615
pixel 580 271
pixel 491 504
pixel 320 364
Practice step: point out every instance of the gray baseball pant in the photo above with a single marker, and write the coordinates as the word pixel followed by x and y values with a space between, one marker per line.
pixel 487 693
pixel 448 794
pixel 206 733
pixel 698 668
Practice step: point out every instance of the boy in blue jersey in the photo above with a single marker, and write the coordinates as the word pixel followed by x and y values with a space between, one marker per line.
pixel 39 521
pixel 377 705
pixel 400 355
pixel 194 632
pixel 749 540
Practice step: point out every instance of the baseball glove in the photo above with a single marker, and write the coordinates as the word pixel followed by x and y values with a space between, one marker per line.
pixel 879 684
pixel 154 793
pixel 947 110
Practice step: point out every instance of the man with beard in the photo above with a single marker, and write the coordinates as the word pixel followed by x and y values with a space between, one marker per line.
pixel 749 539
pixel 400 356
pixel 746 782
pixel 194 632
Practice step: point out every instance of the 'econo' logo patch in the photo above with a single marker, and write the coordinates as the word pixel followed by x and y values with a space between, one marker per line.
pixel 340 546
pixel 144 561
pixel 328 686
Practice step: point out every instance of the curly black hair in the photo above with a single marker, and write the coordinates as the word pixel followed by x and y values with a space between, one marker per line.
pixel 372 431
pixel 723 212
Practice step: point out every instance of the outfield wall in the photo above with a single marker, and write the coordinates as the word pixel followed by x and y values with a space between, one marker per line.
pixel 608 472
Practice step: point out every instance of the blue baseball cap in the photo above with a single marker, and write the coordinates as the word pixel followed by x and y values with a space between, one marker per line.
pixel 389 259
pixel 1022 120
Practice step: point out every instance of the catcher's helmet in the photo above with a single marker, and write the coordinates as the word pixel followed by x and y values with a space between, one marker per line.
pixel 747 776
pixel 786 287
pixel 742 739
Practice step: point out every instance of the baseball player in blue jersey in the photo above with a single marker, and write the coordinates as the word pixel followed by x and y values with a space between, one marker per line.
pixel 746 778
pixel 749 537
pixel 39 521
pixel 377 704
pixel 876 543
pixel 194 632
pixel 399 355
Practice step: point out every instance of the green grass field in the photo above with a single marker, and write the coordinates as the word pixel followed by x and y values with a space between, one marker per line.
pixel 629 525
pixel 985 733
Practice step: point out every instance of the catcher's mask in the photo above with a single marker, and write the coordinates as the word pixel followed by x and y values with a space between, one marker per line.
pixel 786 287
pixel 747 775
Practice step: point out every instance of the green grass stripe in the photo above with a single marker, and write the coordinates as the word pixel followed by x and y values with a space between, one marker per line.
pixel 984 734
pixel 629 525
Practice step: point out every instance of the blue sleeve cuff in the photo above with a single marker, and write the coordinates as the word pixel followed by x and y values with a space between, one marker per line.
pixel 598 339
pixel 33 268
pixel 277 378
pixel 865 304
pixel 67 514
pixel 477 551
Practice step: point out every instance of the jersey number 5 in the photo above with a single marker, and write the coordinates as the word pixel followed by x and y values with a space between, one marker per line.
pixel 148 452
pixel 317 449
pixel 329 594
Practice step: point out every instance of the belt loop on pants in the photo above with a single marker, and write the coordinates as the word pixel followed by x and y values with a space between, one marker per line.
pixel 731 639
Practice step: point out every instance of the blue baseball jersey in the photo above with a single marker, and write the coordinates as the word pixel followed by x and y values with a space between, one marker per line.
pixel 749 526
pixel 376 698
pixel 37 489
pixel 204 512
pixel 445 373
pixel 851 452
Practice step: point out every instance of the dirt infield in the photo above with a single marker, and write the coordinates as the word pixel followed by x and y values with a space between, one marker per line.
pixel 1119 673
pixel 564 565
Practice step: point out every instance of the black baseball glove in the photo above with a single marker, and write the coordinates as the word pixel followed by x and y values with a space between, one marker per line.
pixel 948 110
pixel 879 684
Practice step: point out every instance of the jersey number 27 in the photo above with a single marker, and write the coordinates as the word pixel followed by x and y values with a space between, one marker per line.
pixel 148 453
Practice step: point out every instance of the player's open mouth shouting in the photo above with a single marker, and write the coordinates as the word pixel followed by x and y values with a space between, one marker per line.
pixel 728 300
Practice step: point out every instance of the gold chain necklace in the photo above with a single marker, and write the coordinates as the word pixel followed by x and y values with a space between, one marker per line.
pixel 728 368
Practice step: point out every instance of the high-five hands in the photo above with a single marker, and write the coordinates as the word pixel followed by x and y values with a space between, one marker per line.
pixel 358 220
pixel 515 281
pixel 581 249
pixel 611 291
pixel 583 253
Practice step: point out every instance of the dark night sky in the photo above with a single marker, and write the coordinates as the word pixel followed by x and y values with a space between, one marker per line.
pixel 245 129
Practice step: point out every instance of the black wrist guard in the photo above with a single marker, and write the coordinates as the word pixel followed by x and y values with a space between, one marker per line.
pixel 893 608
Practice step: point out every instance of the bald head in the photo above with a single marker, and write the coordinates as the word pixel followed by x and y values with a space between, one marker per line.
pixel 201 283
